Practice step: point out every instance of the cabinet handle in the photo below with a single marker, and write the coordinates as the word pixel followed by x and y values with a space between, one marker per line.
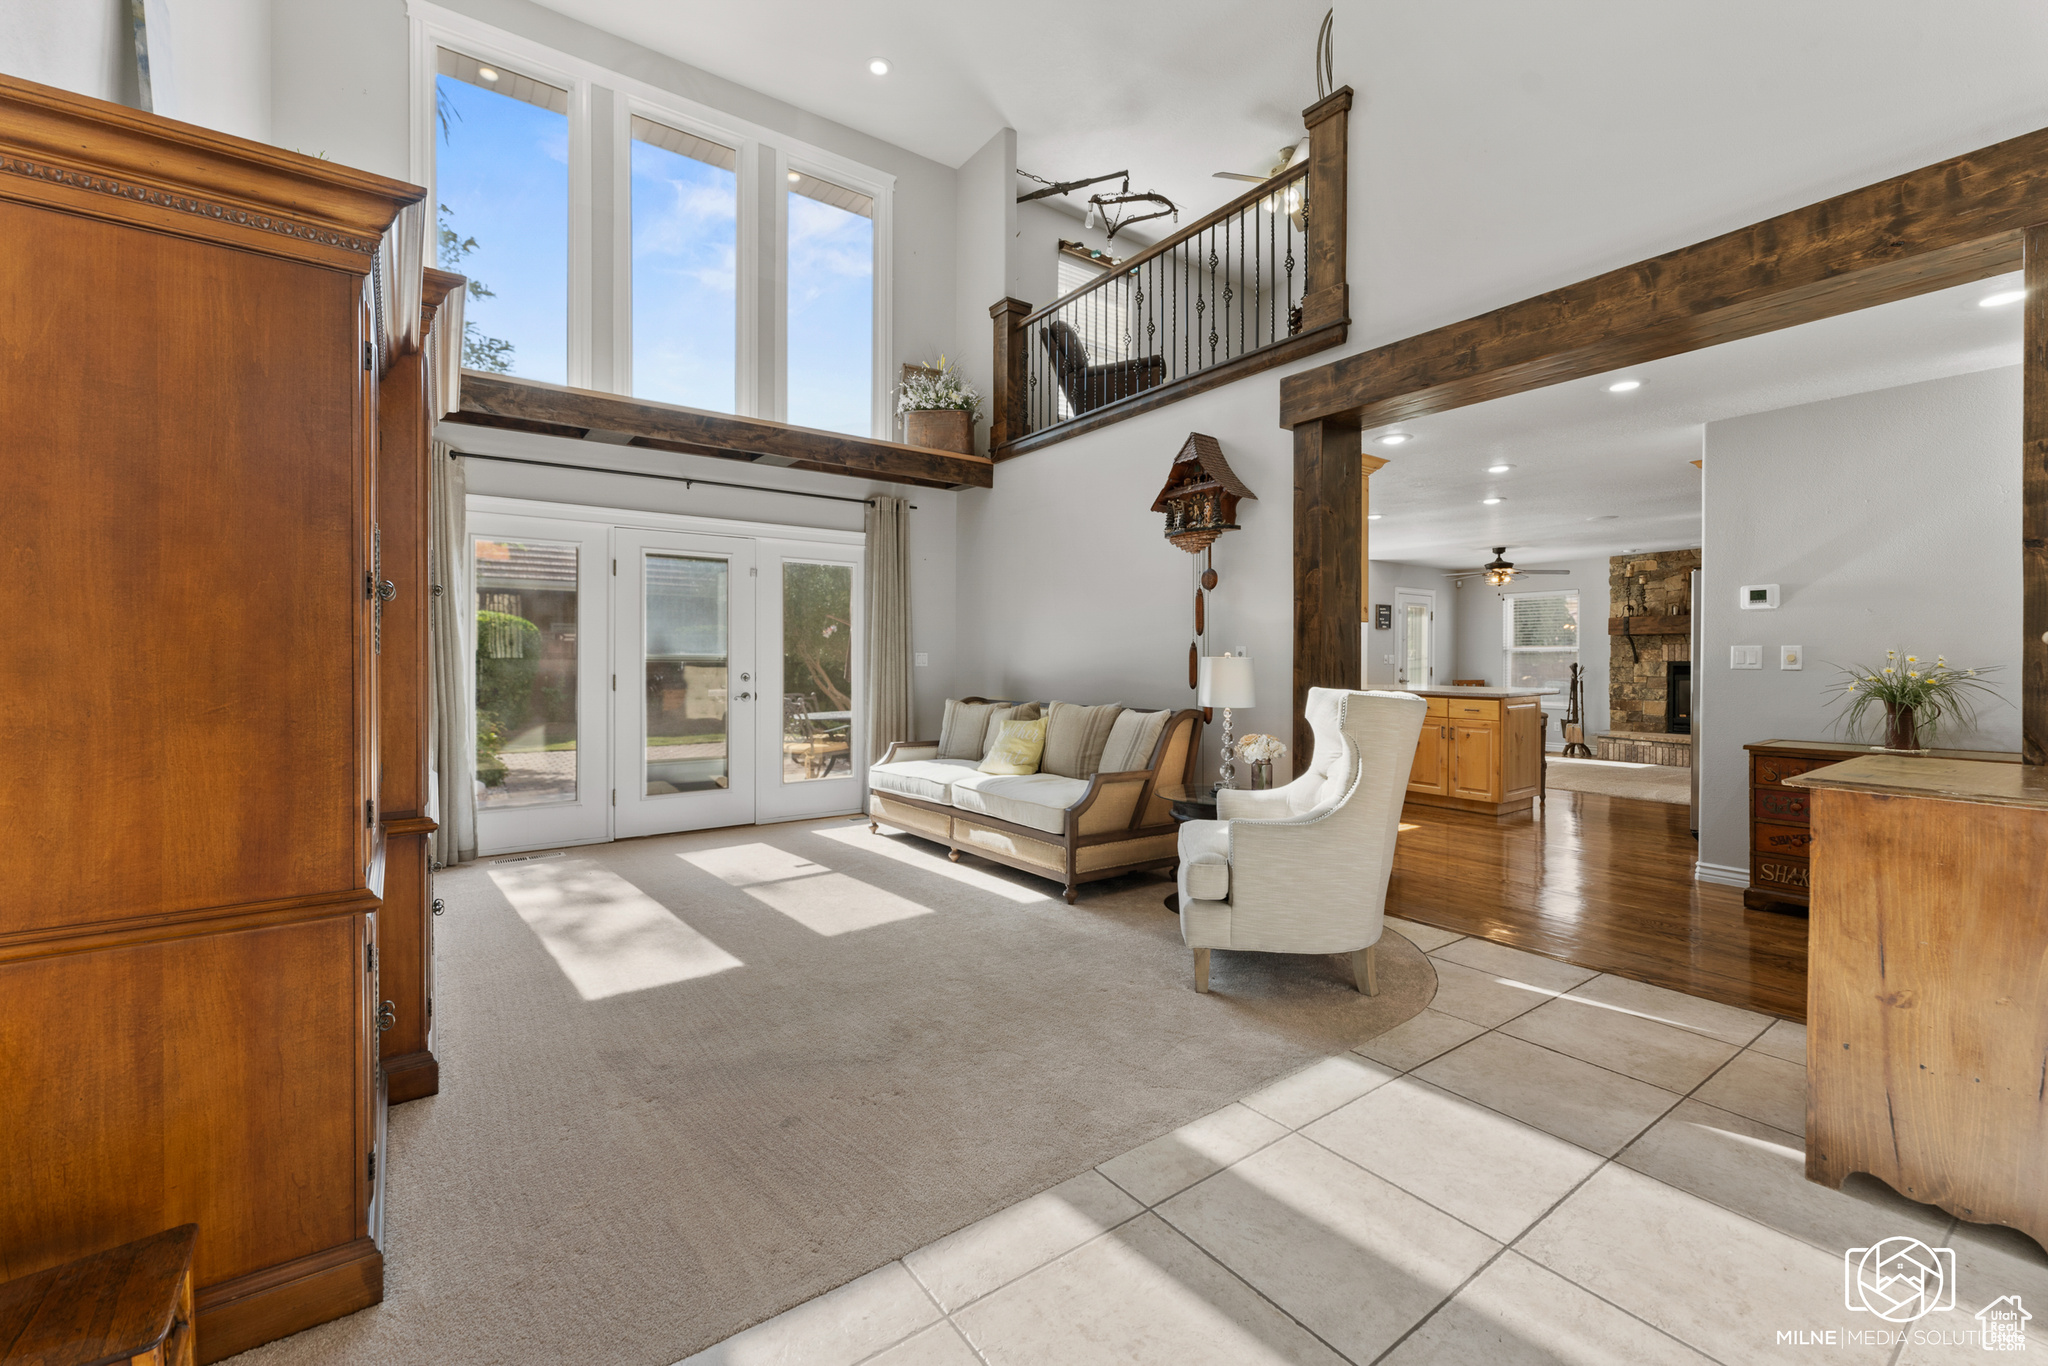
pixel 387 1017
pixel 439 905
pixel 386 591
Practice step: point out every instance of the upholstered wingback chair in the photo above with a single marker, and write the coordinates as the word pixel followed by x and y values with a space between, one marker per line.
pixel 1303 868
pixel 1088 387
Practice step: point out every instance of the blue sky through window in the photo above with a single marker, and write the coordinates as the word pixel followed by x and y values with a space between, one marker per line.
pixel 831 317
pixel 502 170
pixel 684 243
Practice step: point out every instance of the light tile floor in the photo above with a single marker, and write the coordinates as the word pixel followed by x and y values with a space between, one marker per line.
pixel 1546 1166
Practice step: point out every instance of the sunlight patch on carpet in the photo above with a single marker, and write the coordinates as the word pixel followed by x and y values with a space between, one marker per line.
pixel 606 935
pixel 931 858
pixel 811 894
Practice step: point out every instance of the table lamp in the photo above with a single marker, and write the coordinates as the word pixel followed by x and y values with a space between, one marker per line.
pixel 1225 681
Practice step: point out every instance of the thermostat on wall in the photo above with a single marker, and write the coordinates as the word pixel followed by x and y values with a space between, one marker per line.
pixel 1756 597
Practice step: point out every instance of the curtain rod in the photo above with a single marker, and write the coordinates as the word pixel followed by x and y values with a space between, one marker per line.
pixel 684 479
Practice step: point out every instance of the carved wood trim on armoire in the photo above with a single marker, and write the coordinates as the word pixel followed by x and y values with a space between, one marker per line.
pixel 190 889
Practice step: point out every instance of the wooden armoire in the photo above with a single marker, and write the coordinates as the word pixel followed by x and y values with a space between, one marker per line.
pixel 192 334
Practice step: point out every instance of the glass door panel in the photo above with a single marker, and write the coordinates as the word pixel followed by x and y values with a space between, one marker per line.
pixel 537 588
pixel 810 723
pixel 684 614
pixel 1415 611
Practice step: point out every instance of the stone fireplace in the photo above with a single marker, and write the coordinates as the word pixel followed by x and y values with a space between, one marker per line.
pixel 1649 631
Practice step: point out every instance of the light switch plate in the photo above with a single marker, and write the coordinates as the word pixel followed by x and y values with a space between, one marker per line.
pixel 921 661
pixel 1745 656
pixel 1791 657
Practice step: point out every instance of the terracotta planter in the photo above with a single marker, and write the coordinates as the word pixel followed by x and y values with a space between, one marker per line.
pixel 940 429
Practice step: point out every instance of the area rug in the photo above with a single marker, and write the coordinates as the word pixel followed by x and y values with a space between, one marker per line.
pixel 688 1082
pixel 1612 778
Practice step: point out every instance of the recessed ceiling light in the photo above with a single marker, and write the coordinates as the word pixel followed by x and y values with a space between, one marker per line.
pixel 1392 438
pixel 2002 298
pixel 1498 469
pixel 1622 386
pixel 879 66
pixel 1489 501
pixel 488 73
pixel 795 176
pixel 1372 516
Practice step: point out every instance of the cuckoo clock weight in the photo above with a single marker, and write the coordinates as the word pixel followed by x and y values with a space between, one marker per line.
pixel 1200 503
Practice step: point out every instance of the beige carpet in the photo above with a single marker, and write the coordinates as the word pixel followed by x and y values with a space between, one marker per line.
pixel 1610 778
pixel 688 1082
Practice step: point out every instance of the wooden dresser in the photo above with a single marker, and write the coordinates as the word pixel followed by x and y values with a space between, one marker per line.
pixel 1481 750
pixel 1927 983
pixel 189 895
pixel 1779 830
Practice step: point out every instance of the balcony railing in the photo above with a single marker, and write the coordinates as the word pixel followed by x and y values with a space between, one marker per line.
pixel 1256 283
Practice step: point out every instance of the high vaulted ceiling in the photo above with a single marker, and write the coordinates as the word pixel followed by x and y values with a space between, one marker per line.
pixel 1219 86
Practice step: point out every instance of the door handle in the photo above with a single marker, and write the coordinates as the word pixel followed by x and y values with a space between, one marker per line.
pixel 745 695
pixel 439 905
pixel 387 1017
pixel 386 591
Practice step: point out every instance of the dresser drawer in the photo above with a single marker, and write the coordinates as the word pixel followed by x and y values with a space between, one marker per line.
pixel 1769 770
pixel 1786 876
pixel 1438 706
pixel 1477 708
pixel 1780 839
pixel 1785 805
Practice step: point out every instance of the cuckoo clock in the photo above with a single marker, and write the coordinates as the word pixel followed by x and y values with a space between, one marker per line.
pixel 1201 495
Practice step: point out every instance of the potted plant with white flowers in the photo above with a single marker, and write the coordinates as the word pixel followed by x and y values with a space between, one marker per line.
pixel 1918 699
pixel 939 407
pixel 1260 751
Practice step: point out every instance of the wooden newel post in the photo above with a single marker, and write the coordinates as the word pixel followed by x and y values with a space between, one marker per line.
pixel 1328 294
pixel 2034 504
pixel 1006 404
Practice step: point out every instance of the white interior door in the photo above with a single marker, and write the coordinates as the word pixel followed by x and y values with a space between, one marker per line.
pixel 538 586
pixel 687 692
pixel 1415 644
pixel 810 742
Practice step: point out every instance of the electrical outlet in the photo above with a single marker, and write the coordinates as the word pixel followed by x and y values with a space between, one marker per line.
pixel 1745 656
pixel 1386 659
pixel 921 661
pixel 1791 657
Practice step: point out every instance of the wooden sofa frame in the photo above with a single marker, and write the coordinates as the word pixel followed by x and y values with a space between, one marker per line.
pixel 1071 840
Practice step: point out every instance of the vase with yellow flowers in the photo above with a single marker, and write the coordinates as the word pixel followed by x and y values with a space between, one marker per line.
pixel 1918 699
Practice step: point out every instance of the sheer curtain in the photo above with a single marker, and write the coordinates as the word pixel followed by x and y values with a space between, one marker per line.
pixel 888 625
pixel 451 726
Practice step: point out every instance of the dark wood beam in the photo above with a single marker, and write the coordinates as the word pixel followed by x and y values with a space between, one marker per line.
pixel 1947 224
pixel 1680 625
pixel 555 410
pixel 2034 505
pixel 1329 533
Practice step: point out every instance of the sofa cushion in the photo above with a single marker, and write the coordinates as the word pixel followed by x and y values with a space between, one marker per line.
pixel 1022 711
pixel 927 779
pixel 1015 751
pixel 1074 737
pixel 965 729
pixel 1132 740
pixel 1039 800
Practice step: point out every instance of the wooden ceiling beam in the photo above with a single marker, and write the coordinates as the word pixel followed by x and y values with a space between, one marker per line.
pixel 1947 224
pixel 556 410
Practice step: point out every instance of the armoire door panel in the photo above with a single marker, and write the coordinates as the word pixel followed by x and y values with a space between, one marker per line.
pixel 182 556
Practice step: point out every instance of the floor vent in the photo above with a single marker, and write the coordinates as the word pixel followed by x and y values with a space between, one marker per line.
pixel 528 858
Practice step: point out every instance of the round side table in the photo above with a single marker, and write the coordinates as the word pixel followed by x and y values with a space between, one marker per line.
pixel 1189 804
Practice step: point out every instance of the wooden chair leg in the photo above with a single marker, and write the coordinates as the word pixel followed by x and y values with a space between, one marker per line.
pixel 953 855
pixel 1072 892
pixel 1365 970
pixel 1201 969
pixel 874 829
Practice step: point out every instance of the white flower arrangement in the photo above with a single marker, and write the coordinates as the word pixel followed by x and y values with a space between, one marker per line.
pixel 1259 749
pixel 936 387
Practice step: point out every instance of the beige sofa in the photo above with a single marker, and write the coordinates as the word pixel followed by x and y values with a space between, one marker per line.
pixel 1072 827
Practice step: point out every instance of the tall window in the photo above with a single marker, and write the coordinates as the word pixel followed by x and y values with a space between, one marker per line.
pixel 1540 641
pixel 685 252
pixel 831 321
pixel 501 181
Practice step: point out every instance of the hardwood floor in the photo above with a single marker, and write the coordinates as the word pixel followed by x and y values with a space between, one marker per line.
pixel 1604 883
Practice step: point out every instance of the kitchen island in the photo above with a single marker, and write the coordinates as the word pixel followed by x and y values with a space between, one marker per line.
pixel 1481 750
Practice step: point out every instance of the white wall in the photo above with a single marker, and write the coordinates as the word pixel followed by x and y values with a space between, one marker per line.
pixel 1889 520
pixel 1479 633
pixel 985 216
pixel 1382 661
pixel 209 59
pixel 81 45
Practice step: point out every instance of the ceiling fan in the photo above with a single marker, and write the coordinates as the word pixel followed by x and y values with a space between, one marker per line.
pixel 1499 572
pixel 1286 157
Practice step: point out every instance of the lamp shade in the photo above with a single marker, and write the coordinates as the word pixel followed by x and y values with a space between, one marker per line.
pixel 1225 681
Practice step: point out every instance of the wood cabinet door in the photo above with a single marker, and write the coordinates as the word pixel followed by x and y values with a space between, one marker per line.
pixel 1430 771
pixel 1521 748
pixel 1475 760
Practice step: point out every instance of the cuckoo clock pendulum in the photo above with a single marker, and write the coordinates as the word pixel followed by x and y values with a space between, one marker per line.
pixel 1200 503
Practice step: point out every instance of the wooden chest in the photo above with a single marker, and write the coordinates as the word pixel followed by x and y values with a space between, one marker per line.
pixel 1780 826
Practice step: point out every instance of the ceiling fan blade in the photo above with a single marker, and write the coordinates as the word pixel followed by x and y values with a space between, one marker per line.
pixel 1240 175
pixel 1543 571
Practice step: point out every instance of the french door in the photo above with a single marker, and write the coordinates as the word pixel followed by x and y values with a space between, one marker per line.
pixel 637 680
pixel 1415 620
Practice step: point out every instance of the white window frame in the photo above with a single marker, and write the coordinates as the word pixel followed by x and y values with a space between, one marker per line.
pixel 1559 700
pixel 762 288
